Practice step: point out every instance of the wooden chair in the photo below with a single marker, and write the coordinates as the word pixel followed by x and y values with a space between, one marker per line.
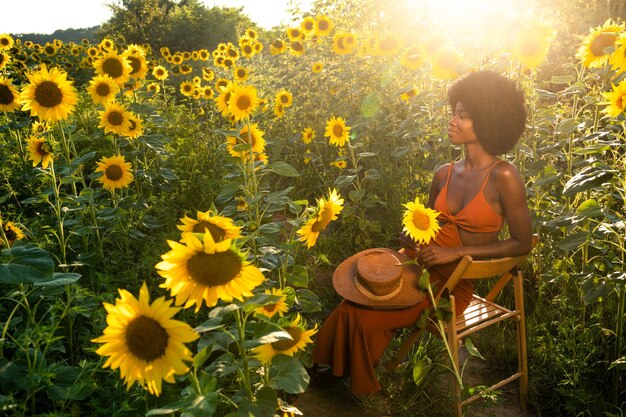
pixel 481 313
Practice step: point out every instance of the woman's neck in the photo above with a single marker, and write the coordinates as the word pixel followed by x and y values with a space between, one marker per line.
pixel 476 157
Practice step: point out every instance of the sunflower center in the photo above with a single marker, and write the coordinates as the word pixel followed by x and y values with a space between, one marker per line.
pixel 10 234
pixel 322 25
pixel 241 73
pixel 247 49
pixel 286 344
pixel 6 96
pixel 160 72
pixel 297 46
pixel 308 26
pixel 114 172
pixel 4 42
pixel 146 338
pixel 325 216
pixel 214 269
pixel 601 42
pixel 115 118
pixel 135 64
pixel 49 50
pixel 41 149
pixel 103 90
pixel 270 307
pixel 113 67
pixel 48 94
pixel 620 102
pixel 216 232
pixel 338 131
pixel 421 220
pixel 284 99
pixel 244 102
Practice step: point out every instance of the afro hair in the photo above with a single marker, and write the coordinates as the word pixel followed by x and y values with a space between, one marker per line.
pixel 496 107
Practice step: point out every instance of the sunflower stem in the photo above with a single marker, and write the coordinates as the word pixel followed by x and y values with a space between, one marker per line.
pixel 241 328
pixel 57 212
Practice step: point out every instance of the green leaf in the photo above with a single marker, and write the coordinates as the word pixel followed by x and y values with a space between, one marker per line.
pixel 370 105
pixel 568 126
pixel 424 281
pixel 574 241
pixel 589 208
pixel 60 278
pixel 26 264
pixel 283 169
pixel 471 349
pixel 308 300
pixel 201 405
pixel 288 374
pixel 590 177
pixel 228 191
pixel 344 180
pixel 298 276
pixel 421 368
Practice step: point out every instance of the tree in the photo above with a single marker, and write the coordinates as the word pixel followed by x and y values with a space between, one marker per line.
pixel 186 25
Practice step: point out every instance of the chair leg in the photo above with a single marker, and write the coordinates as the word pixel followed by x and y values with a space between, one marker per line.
pixel 453 343
pixel 521 341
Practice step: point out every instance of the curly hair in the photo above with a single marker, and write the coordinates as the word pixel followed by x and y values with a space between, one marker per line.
pixel 496 107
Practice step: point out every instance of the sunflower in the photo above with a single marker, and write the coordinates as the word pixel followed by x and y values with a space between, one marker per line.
pixel 327 211
pixel 296 48
pixel 531 46
pixel 317 67
pixel 341 164
pixel 154 88
pixel 277 307
pixel 242 204
pixel 299 338
pixel 308 134
pixel 102 89
pixel 251 33
pixel 279 110
pixel 254 139
pixel 106 44
pixel 388 45
pixel 135 128
pixel 207 74
pixel 50 49
pixel 307 26
pixel 618 58
pixel 592 51
pixel 408 95
pixel 39 150
pixel 4 60
pixel 93 52
pixel 615 100
pixel 208 93
pixel 12 232
pixel 220 227
pixel 222 99
pixel 337 131
pixel 115 119
pixel 136 57
pixel 185 69
pixel 160 73
pixel 115 66
pixel 241 74
pixel 295 34
pixel 144 342
pixel 242 101
pixel 446 64
pixel 343 43
pixel 50 95
pixel 411 58
pixel 420 222
pixel 278 47
pixel 6 42
pixel 323 26
pixel 187 88
pixel 9 96
pixel 284 98
pixel 198 271
pixel 116 172
pixel 247 48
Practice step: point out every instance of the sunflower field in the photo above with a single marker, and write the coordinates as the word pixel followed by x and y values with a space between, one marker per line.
pixel 168 216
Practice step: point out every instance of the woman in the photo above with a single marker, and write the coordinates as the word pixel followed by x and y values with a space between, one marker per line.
pixel 474 196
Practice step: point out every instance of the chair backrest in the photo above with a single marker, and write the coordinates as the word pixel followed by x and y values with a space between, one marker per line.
pixel 469 268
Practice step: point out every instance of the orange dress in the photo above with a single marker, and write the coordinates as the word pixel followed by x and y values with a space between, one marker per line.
pixel 353 338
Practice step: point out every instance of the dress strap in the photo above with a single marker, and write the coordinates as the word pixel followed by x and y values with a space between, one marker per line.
pixel 450 165
pixel 489 174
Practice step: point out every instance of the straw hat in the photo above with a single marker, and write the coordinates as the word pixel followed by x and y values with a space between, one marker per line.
pixel 375 278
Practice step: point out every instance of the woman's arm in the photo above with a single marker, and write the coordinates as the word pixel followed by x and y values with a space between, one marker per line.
pixel 514 205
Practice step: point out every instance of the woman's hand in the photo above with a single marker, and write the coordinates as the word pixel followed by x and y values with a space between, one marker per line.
pixel 409 247
pixel 437 255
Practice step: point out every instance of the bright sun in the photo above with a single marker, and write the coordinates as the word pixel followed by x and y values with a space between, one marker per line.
pixel 473 23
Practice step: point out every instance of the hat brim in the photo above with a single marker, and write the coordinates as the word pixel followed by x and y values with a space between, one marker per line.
pixel 409 294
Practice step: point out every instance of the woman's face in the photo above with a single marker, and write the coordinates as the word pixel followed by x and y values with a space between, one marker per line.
pixel 461 127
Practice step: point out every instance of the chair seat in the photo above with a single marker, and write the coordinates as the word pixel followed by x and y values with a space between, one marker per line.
pixel 481 313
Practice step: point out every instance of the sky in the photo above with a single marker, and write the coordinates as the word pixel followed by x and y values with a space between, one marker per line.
pixel 46 16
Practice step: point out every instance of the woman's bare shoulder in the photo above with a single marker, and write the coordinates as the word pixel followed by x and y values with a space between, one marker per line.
pixel 507 175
